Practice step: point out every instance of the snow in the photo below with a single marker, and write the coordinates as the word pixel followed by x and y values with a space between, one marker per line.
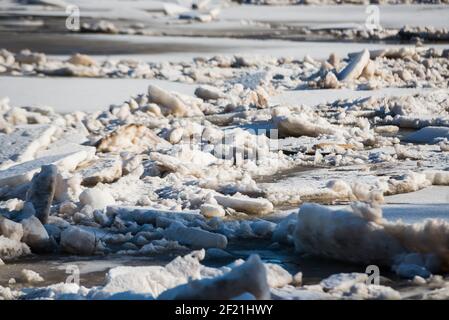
pixel 152 280
pixel 11 229
pixel 157 155
pixel 277 277
pixel 30 277
pixel 343 235
pixel 187 48
pixel 11 249
pixel 96 198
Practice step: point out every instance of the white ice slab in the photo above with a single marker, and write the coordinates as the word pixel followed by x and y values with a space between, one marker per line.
pixel 430 195
pixel 22 173
pixel 79 94
pixel 23 143
pixel 412 213
pixel 428 135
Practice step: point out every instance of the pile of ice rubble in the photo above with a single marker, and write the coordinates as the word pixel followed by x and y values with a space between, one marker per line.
pixel 166 172
pixel 358 235
pixel 176 152
pixel 406 34
pixel 394 67
pixel 416 35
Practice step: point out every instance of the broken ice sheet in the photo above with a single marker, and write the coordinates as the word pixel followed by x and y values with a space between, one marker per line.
pixel 184 159
pixel 22 144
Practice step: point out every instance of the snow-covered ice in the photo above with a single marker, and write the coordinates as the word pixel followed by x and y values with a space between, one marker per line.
pixel 166 151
